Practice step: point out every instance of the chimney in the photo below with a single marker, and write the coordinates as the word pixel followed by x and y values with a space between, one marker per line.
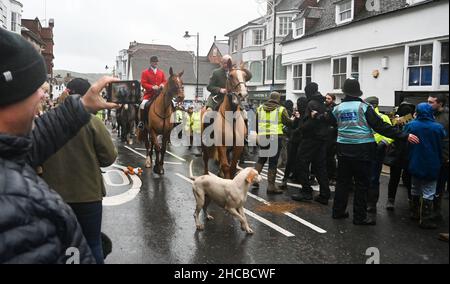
pixel 215 38
pixel 51 23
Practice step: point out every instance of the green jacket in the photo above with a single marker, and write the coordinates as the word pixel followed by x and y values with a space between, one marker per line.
pixel 74 172
pixel 217 81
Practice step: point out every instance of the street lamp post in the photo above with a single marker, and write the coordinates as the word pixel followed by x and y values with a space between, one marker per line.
pixel 188 36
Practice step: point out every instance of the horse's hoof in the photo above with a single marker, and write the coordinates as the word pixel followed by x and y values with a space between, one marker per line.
pixel 155 170
pixel 148 166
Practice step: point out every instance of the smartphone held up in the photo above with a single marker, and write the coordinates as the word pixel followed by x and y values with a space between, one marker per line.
pixel 124 92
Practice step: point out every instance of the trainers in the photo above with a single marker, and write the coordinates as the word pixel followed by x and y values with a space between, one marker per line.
pixel 141 125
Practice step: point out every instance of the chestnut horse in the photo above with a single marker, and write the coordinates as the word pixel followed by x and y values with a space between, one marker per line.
pixel 224 125
pixel 160 122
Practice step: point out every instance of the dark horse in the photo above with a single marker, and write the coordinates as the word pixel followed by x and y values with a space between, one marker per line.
pixel 160 121
pixel 126 120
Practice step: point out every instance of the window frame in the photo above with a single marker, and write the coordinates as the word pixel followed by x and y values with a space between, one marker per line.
pixel 304 76
pixel 339 12
pixel 256 83
pixel 295 29
pixel 261 32
pixel 436 65
pixel 284 28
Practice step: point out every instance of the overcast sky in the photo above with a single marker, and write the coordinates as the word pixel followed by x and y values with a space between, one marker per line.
pixel 88 34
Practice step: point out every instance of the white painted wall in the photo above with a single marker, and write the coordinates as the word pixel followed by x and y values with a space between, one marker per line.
pixel 12 6
pixel 389 81
pixel 430 21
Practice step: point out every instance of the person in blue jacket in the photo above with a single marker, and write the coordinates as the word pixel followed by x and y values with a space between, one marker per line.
pixel 425 163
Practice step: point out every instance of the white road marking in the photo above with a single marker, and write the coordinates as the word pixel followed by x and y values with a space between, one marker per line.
pixel 184 178
pixel 127 196
pixel 269 224
pixel 175 156
pixel 253 215
pixel 191 172
pixel 306 223
pixel 290 215
pixel 136 152
pixel 145 157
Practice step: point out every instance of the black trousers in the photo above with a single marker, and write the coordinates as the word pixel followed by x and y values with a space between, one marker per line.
pixel 291 159
pixel 313 153
pixel 331 160
pixel 350 170
pixel 396 174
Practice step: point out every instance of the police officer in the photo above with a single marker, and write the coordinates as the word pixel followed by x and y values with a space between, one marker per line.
pixel 356 122
pixel 271 118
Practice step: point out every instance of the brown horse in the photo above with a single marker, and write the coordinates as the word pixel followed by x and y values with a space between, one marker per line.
pixel 226 126
pixel 160 122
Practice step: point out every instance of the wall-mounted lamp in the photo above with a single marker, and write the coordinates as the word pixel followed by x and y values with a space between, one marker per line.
pixel 385 62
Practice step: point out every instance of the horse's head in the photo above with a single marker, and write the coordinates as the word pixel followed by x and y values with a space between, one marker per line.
pixel 175 86
pixel 237 81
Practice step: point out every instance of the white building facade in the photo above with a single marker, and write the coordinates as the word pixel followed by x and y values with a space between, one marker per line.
pixel 395 55
pixel 11 15
pixel 253 44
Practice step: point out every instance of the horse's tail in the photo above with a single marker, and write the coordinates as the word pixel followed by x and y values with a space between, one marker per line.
pixel 140 135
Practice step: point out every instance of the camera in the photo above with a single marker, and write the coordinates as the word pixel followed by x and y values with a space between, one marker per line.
pixel 124 92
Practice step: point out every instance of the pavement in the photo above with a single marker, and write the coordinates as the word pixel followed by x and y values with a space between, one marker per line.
pixel 150 221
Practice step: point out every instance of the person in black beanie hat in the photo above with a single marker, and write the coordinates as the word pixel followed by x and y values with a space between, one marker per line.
pixel 78 86
pixel 356 122
pixel 26 202
pixel 312 149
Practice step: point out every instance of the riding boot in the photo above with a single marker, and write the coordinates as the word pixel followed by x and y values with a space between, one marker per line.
pixel 426 215
pixel 141 119
pixel 258 168
pixel 272 188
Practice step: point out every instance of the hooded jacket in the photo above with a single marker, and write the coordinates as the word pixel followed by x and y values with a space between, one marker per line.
pixel 316 128
pixel 272 105
pixel 425 159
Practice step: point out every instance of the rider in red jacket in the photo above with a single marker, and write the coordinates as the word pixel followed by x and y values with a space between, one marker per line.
pixel 153 81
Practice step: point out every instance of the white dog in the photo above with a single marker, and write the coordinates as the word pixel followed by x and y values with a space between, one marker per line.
pixel 229 194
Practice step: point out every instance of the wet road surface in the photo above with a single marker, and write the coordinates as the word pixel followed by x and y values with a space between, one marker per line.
pixel 150 221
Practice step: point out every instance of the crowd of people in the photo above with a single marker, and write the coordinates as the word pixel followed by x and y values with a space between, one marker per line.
pixel 348 145
pixel 343 144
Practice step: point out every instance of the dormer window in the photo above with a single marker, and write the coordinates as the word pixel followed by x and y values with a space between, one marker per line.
pixel 299 28
pixel 345 11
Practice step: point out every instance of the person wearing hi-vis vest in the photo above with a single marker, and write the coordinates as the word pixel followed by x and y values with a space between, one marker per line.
pixel 271 117
pixel 356 122
pixel 193 125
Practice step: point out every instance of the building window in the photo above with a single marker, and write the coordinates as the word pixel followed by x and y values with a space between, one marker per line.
pixel 420 65
pixel 298 77
pixel 256 68
pixel 444 63
pixel 300 80
pixel 269 69
pixel 281 71
pixel 344 12
pixel 235 45
pixel 355 68
pixel 284 26
pixel 339 72
pixel 258 37
pixel 3 15
pixel 14 19
pixel 299 28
